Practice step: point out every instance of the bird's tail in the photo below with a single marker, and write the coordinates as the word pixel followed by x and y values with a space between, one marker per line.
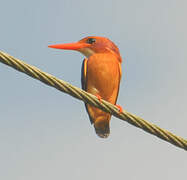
pixel 102 127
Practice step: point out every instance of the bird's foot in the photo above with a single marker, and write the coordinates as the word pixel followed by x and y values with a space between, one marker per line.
pixel 119 108
pixel 98 97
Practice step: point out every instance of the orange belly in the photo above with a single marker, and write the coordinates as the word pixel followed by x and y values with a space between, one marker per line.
pixel 103 78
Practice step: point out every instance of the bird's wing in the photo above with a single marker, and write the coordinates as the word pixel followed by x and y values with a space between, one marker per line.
pixel 83 74
pixel 120 73
pixel 84 82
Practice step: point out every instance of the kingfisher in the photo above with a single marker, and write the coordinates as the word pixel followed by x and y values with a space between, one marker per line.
pixel 100 76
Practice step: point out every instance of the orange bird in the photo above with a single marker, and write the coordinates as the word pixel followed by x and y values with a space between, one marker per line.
pixel 101 74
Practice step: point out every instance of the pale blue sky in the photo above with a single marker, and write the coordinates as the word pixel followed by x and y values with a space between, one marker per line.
pixel 46 134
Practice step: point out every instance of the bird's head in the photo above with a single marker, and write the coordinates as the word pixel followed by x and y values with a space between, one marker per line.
pixel 91 45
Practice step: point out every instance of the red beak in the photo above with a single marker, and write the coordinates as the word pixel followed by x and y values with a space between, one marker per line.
pixel 70 46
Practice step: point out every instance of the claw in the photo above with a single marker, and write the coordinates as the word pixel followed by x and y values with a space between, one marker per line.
pixel 98 97
pixel 119 107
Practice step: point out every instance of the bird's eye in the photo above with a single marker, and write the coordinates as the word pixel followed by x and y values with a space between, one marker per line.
pixel 91 40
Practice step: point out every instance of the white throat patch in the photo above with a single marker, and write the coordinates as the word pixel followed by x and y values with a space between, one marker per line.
pixel 87 52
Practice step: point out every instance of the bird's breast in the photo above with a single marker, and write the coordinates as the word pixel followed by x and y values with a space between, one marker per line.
pixel 103 75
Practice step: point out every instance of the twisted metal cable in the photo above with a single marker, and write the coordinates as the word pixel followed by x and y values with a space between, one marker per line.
pixel 91 99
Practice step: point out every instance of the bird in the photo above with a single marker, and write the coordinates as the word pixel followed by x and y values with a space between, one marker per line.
pixel 100 75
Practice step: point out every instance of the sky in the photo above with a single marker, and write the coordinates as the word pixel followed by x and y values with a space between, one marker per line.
pixel 46 134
